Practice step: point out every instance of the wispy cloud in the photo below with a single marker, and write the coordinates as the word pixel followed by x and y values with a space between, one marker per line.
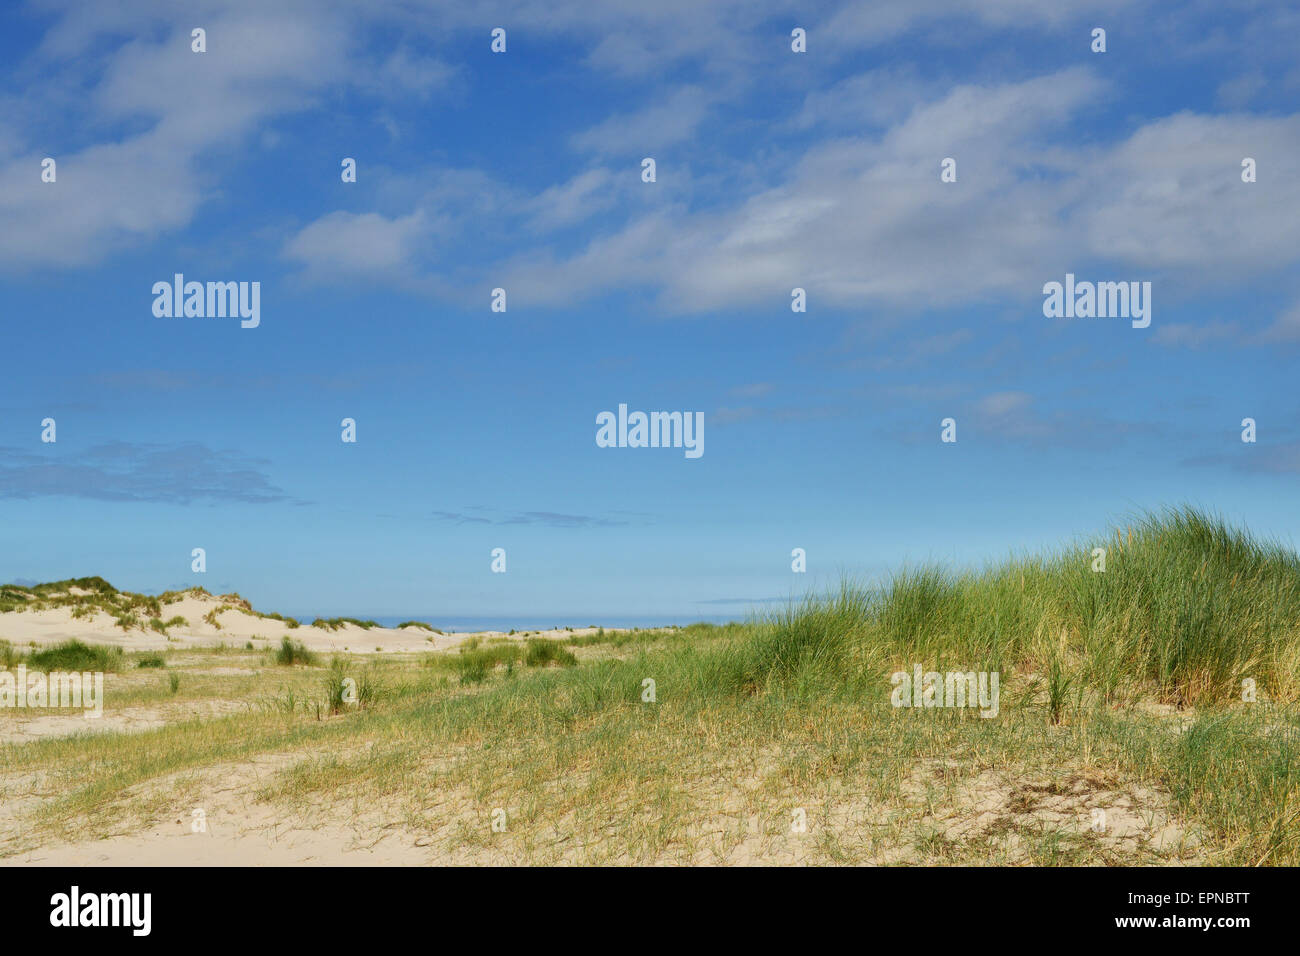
pixel 348 245
pixel 178 107
pixel 744 601
pixel 1024 209
pixel 125 471
pixel 1279 459
pixel 1191 336
pixel 641 133
pixel 1285 329
pixel 550 519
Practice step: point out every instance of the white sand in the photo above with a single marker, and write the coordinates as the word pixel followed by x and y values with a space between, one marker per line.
pixel 50 626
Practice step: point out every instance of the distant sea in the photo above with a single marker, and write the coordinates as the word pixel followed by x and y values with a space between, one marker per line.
pixel 561 621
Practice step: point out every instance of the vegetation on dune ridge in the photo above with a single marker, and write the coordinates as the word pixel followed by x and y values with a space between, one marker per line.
pixel 1132 676
pixel 1186 609
pixel 75 656
pixel 127 608
pixel 1187 605
pixel 335 623
pixel 130 610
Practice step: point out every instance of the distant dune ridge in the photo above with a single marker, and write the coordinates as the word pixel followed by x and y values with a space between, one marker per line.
pixel 1146 713
pixel 1178 601
pixel 91 609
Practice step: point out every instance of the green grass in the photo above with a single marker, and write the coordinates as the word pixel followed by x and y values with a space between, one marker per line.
pixel 161 626
pixel 334 623
pixel 539 652
pixel 474 662
pixel 473 665
pixel 293 652
pixel 1187 608
pixel 75 656
pixel 10 656
pixel 1241 775
pixel 615 639
pixel 1120 688
pixel 96 584
pixel 344 676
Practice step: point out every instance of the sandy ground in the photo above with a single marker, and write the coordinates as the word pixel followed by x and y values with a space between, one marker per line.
pixel 24 726
pixel 241 830
pixel 42 628
pixel 238 830
pixel 177 846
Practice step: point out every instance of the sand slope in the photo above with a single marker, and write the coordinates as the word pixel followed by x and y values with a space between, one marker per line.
pixel 236 626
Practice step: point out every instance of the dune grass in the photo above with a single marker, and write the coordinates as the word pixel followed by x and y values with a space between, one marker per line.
pixel 293 652
pixel 75 656
pixel 1187 608
pixel 1121 688
pixel 335 623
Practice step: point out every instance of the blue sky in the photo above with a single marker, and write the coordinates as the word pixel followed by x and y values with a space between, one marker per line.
pixel 775 169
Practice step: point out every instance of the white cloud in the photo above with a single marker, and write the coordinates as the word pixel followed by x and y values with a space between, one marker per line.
pixel 857 25
pixel 857 220
pixel 344 245
pixel 172 107
pixel 1285 329
pixel 104 195
pixel 1003 404
pixel 409 72
pixel 1239 90
pixel 655 127
pixel 578 199
pixel 865 220
pixel 1171 196
pixel 875 98
pixel 1186 335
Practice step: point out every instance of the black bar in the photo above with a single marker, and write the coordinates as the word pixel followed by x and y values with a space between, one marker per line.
pixel 928 906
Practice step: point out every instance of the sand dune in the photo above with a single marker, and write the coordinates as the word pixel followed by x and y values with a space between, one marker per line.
pixel 235 623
